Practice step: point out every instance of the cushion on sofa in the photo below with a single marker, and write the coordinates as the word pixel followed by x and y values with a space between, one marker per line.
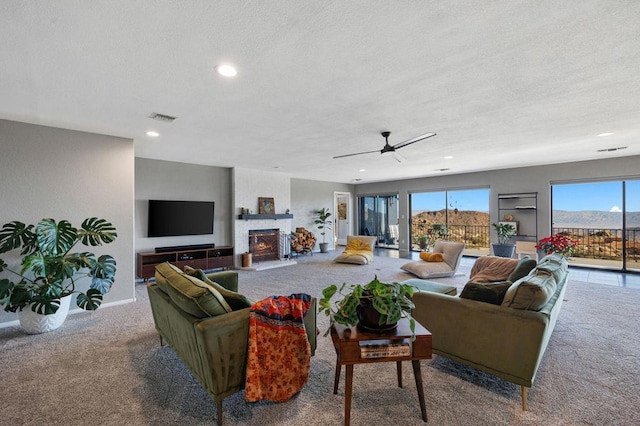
pixel 191 294
pixel 524 266
pixel 486 292
pixel 235 300
pixel 165 269
pixel 531 292
pixel 555 264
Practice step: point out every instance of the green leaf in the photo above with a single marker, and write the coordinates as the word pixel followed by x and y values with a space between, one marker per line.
pixel 89 301
pixel 16 234
pixel 95 231
pixel 55 238
pixel 45 307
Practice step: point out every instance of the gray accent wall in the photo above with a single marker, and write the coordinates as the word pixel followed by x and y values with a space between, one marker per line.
pixel 168 180
pixel 309 196
pixel 66 174
pixel 524 179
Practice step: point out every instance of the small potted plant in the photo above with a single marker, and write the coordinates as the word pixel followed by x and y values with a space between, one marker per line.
pixel 49 271
pixel 323 223
pixel 375 306
pixel 505 232
pixel 558 243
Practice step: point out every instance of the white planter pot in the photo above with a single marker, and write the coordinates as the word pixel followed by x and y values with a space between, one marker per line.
pixel 34 323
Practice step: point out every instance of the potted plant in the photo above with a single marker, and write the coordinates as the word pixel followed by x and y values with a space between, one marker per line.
pixel 323 223
pixel 375 306
pixel 50 271
pixel 558 243
pixel 505 232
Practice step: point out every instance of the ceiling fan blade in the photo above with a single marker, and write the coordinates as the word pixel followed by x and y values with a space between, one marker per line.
pixel 414 140
pixel 357 153
pixel 399 158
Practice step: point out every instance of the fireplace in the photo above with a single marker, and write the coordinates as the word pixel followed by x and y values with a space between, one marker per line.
pixel 264 244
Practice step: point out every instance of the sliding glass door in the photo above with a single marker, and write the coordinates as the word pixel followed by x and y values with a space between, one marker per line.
pixel 453 215
pixel 379 216
pixel 605 219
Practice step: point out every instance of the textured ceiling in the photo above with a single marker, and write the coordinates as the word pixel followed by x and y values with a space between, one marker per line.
pixel 503 84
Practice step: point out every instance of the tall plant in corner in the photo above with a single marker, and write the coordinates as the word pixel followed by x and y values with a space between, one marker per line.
pixel 323 223
pixel 49 270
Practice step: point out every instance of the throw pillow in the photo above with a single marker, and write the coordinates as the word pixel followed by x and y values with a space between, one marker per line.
pixel 486 292
pixel 531 292
pixel 524 266
pixel 235 300
pixel 192 295
pixel 431 257
pixel 353 245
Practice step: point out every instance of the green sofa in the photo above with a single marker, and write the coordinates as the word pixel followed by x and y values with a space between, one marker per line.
pixel 212 343
pixel 506 340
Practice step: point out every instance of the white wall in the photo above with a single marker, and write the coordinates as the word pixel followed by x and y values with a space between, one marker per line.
pixel 168 180
pixel 309 196
pixel 248 185
pixel 65 174
pixel 524 179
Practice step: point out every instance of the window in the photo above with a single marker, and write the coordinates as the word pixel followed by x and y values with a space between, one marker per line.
pixel 605 219
pixel 454 215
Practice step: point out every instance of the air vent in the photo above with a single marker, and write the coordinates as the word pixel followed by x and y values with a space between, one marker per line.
pixel 162 117
pixel 612 149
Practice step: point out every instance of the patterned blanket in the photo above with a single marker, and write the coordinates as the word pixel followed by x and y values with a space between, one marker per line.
pixel 279 353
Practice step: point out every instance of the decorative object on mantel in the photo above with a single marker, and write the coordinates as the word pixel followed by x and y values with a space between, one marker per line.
pixel 323 223
pixel 50 272
pixel 558 243
pixel 266 205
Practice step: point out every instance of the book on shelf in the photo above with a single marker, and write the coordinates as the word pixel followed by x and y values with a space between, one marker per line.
pixel 383 349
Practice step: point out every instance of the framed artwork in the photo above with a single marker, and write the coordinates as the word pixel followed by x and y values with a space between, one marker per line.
pixel 514 224
pixel 266 205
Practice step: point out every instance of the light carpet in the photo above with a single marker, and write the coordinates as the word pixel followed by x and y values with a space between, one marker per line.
pixel 107 368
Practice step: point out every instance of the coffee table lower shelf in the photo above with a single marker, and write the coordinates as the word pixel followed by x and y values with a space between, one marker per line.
pixel 348 342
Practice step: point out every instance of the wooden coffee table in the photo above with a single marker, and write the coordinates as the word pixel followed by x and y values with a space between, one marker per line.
pixel 348 340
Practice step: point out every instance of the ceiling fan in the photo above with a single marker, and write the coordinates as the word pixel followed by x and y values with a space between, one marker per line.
pixel 391 149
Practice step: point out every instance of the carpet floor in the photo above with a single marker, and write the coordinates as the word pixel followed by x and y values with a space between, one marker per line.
pixel 107 368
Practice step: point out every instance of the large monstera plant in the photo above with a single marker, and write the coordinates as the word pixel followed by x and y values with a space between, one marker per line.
pixel 49 270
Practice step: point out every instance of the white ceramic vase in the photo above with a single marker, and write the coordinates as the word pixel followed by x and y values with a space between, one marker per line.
pixel 34 323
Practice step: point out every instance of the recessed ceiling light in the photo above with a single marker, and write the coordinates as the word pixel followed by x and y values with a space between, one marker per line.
pixel 362 170
pixel 152 134
pixel 227 70
pixel 448 157
pixel 605 134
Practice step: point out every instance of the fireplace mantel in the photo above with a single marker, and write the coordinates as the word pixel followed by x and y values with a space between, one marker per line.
pixel 265 216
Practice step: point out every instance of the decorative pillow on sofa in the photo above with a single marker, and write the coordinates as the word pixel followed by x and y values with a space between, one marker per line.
pixel 431 257
pixel 486 292
pixel 531 292
pixel 524 266
pixel 192 295
pixel 235 300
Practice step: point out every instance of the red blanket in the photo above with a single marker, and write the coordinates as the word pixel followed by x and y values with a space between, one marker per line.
pixel 279 353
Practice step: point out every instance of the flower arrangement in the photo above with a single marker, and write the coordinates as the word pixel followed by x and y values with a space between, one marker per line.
pixel 558 243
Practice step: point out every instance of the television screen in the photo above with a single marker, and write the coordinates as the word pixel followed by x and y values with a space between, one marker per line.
pixel 172 218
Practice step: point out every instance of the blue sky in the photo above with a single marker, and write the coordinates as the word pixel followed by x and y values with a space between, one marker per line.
pixel 477 199
pixel 601 196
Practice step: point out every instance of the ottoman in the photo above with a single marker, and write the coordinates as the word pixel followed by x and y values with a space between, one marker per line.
pixel 432 286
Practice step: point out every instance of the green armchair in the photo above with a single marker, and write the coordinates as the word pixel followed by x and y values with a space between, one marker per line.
pixel 214 347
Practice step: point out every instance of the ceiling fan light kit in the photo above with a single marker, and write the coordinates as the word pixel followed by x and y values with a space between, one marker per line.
pixel 390 150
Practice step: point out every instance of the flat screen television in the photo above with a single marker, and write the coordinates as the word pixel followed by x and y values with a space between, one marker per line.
pixel 172 218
